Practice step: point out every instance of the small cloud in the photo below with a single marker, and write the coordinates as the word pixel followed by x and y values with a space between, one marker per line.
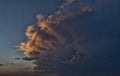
pixel 28 58
pixel 17 58
pixel 2 65
pixel 11 63
pixel 27 68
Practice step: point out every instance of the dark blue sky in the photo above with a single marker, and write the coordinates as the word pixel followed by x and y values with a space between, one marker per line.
pixel 15 16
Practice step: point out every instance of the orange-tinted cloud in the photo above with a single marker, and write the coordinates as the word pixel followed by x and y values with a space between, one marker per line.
pixel 45 41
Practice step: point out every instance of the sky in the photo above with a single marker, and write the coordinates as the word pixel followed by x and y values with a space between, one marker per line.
pixel 15 16
pixel 79 38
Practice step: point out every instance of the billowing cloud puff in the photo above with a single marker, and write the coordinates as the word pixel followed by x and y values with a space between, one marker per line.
pixel 44 37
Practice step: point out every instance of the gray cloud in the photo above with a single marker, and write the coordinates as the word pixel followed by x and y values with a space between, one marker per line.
pixel 76 41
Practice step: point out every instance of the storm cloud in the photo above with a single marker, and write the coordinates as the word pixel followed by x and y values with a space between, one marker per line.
pixel 45 38
pixel 78 37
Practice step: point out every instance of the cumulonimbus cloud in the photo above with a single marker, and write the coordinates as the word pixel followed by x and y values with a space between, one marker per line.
pixel 45 42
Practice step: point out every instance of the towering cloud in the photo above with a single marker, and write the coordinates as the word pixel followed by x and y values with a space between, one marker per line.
pixel 46 41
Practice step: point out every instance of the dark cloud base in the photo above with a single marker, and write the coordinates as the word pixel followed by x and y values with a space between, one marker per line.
pixel 70 74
